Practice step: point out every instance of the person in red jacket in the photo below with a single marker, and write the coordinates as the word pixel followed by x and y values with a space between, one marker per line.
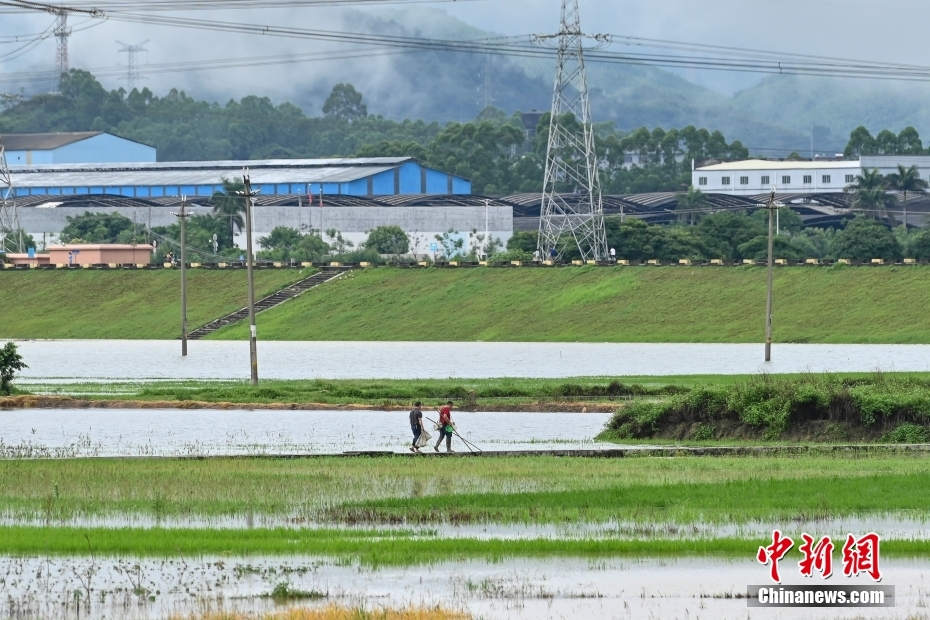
pixel 445 427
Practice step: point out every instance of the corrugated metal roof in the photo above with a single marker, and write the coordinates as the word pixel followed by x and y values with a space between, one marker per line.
pixel 764 164
pixel 231 164
pixel 208 176
pixel 43 141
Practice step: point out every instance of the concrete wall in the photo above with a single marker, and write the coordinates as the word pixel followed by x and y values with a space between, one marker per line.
pixel 421 224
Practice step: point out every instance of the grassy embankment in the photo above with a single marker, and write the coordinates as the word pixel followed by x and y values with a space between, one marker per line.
pixel 488 394
pixel 387 494
pixel 123 304
pixel 595 304
pixel 586 304
pixel 881 407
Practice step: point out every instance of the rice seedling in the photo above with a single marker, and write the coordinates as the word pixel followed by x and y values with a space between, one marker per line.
pixel 397 491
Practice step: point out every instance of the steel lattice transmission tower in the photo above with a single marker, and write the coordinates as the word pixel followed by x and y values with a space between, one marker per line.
pixel 62 32
pixel 132 73
pixel 10 230
pixel 571 163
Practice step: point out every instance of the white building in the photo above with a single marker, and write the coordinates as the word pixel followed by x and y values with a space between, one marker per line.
pixel 758 176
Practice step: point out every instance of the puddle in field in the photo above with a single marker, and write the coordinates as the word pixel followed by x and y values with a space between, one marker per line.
pixel 39 587
pixel 66 433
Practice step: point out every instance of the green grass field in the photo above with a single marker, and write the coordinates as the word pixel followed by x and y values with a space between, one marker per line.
pixel 372 549
pixel 622 304
pixel 385 497
pixel 536 489
pixel 123 304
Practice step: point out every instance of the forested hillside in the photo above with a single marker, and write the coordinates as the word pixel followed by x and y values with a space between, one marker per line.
pixel 492 150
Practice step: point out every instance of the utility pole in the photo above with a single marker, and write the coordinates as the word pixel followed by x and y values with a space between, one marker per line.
pixel 182 216
pixel 487 240
pixel 253 332
pixel 768 296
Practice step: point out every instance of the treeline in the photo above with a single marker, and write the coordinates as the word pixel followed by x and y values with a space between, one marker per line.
pixel 493 150
pixel 735 236
pixel 906 142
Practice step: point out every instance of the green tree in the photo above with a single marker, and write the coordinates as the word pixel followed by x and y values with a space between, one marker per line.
pixel 860 142
pixel 864 239
pixel 229 207
pixel 886 143
pixel 758 248
pixel 634 239
pixel 723 232
pixel 920 245
pixel 907 180
pixel 788 220
pixel 388 240
pixel 689 204
pixel 523 240
pixel 10 363
pixel 345 103
pixel 909 142
pixel 100 228
pixel 868 194
pixel 198 239
pixel 287 244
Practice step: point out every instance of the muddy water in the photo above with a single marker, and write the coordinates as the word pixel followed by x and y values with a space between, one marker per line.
pixel 40 587
pixel 161 359
pixel 172 432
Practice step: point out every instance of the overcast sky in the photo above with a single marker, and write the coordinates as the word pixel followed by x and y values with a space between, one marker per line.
pixel 890 30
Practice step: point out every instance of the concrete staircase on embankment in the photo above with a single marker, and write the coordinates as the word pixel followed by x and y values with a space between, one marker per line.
pixel 278 297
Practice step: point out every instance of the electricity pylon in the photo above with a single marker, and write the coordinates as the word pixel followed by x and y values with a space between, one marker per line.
pixel 11 235
pixel 132 73
pixel 571 162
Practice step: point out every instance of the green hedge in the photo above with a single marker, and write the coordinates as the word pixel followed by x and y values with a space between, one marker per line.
pixel 896 409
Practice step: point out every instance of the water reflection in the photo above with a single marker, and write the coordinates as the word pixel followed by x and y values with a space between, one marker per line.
pixel 67 433
pixel 161 359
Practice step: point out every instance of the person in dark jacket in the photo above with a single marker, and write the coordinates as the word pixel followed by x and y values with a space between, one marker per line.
pixel 416 425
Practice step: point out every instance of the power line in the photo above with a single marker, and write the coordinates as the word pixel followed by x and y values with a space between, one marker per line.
pixel 79 6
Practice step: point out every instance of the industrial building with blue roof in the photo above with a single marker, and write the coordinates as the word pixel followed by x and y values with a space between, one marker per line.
pixel 366 176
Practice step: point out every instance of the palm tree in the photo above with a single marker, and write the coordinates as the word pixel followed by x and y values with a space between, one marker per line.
pixel 690 202
pixel 907 180
pixel 229 205
pixel 869 195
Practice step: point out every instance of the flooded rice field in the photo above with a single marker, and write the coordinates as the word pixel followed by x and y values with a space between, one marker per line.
pixel 100 587
pixel 76 360
pixel 68 433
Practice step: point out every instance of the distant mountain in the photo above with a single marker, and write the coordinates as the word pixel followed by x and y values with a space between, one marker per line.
pixel 836 106
pixel 456 87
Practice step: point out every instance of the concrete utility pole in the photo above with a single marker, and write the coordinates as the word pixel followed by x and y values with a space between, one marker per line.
pixel 487 240
pixel 768 296
pixel 253 332
pixel 182 216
